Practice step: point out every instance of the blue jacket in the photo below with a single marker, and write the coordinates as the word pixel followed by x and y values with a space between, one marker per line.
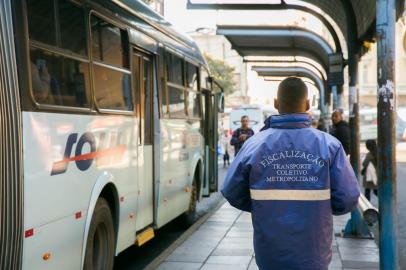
pixel 292 178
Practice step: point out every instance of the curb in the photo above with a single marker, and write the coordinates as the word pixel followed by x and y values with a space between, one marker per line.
pixel 168 251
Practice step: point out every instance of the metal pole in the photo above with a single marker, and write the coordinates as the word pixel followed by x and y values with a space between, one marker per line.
pixel 385 28
pixel 340 96
pixel 355 226
pixel 335 97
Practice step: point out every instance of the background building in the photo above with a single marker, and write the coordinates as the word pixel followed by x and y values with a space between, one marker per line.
pixel 219 48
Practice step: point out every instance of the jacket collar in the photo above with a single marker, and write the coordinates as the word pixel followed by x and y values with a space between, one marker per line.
pixel 288 121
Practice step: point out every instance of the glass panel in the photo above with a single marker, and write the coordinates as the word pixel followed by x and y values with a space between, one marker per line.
pixel 108 43
pixel 73 28
pixel 193 104
pixel 112 89
pixel 191 75
pixel 176 102
pixel 148 101
pixel 203 79
pixel 174 69
pixel 58 80
pixel 163 102
pixel 41 21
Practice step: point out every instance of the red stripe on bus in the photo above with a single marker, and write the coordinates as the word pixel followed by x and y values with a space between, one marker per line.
pixel 29 233
pixel 103 153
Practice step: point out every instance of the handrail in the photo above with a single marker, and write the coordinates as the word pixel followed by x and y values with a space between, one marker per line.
pixel 368 211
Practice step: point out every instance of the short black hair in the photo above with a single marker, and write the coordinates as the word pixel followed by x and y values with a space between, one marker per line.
pixel 244 116
pixel 292 93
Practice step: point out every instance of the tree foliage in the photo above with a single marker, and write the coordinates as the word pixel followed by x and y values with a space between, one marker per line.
pixel 147 1
pixel 222 73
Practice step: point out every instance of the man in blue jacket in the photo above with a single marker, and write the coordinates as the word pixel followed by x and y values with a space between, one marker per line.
pixel 292 178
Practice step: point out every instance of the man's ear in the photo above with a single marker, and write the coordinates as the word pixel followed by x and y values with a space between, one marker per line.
pixel 307 105
pixel 276 104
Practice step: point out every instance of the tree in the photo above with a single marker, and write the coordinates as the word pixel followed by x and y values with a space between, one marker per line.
pixel 222 73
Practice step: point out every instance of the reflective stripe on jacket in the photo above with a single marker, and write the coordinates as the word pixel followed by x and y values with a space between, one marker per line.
pixel 292 178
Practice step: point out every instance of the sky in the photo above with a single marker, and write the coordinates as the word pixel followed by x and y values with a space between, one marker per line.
pixel 187 21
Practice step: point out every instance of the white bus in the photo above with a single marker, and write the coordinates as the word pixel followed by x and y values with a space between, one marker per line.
pixel 108 130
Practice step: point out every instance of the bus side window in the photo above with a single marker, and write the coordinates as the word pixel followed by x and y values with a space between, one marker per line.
pixel 41 21
pixel 111 66
pixel 175 86
pixel 193 97
pixel 57 78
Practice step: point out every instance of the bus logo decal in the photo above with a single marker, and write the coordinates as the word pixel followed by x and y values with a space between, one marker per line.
pixel 84 161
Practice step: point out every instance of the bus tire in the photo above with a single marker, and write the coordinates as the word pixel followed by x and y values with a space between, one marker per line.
pixel 190 214
pixel 100 245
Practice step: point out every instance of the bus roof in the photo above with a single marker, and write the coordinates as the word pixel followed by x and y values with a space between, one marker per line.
pixel 154 25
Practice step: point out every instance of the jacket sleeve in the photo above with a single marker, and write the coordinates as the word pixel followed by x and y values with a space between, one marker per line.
pixel 234 139
pixel 344 185
pixel 236 184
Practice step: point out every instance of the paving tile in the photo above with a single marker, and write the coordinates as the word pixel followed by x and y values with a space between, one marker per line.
pixel 225 241
pixel 210 266
pixel 194 257
pixel 233 252
pixel 360 265
pixel 179 266
pixel 235 246
pixel 192 250
pixel 253 265
pixel 360 257
pixel 230 260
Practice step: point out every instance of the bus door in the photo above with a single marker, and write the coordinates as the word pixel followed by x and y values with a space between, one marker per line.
pixel 210 133
pixel 213 187
pixel 143 86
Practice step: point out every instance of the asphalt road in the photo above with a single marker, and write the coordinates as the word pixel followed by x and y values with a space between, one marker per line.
pixel 136 258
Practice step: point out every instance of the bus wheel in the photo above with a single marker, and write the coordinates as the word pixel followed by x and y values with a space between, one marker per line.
pixel 190 214
pixel 100 246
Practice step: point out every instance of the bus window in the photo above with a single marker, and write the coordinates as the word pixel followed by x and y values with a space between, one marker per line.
pixel 193 98
pixel 175 86
pixel 174 69
pixel 148 101
pixel 191 76
pixel 109 43
pixel 59 80
pixel 193 104
pixel 56 78
pixel 72 28
pixel 41 21
pixel 113 89
pixel 111 74
pixel 204 74
pixel 176 102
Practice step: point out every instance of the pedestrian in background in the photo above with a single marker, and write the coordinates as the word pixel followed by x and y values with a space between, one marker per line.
pixel 369 165
pixel 341 130
pixel 292 178
pixel 225 143
pixel 322 125
pixel 240 135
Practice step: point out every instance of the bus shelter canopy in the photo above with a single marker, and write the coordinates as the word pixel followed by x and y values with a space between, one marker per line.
pixel 354 14
pixel 277 41
pixel 271 71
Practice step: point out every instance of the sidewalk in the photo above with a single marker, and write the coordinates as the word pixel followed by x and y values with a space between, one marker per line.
pixel 224 241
